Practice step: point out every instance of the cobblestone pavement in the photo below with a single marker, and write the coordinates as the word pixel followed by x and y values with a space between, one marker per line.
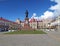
pixel 50 39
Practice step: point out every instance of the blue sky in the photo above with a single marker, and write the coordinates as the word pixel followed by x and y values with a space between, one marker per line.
pixel 13 9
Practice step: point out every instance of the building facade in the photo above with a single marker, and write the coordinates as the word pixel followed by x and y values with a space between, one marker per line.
pixel 32 24
pixel 6 25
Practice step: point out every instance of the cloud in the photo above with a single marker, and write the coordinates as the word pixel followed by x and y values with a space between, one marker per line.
pixel 34 16
pixel 49 14
pixel 46 15
pixel 56 8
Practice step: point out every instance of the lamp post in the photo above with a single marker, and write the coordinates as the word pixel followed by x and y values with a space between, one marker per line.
pixel 34 26
pixel 49 26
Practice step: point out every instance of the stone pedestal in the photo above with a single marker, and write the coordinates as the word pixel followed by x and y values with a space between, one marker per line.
pixel 27 21
pixel 26 24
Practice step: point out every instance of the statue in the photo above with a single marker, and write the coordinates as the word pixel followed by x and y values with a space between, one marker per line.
pixel 26 13
pixel 26 17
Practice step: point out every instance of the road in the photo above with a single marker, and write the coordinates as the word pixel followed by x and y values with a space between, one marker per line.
pixel 50 39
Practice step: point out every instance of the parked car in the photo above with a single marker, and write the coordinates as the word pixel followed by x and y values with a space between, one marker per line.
pixel 1 29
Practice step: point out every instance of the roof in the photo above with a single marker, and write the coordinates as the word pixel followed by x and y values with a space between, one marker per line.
pixel 5 20
pixel 35 20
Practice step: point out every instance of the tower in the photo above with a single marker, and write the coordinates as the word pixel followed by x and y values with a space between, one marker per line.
pixel 18 21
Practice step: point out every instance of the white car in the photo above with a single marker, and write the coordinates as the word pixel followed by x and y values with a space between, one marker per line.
pixel 11 30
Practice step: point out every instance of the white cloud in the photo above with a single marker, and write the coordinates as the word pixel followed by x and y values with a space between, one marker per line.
pixel 56 8
pixel 34 15
pixel 48 14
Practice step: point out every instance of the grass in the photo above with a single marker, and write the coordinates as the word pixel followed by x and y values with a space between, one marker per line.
pixel 26 32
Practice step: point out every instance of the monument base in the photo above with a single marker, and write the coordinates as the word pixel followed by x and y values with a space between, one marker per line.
pixel 26 27
pixel 26 23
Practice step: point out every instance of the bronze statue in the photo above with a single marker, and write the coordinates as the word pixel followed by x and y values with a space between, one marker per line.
pixel 26 13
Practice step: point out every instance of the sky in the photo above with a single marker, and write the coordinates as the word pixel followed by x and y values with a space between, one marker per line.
pixel 38 9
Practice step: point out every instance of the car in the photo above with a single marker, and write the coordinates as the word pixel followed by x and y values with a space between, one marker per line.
pixel 1 29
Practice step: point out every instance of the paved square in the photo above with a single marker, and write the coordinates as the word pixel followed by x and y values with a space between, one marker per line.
pixel 29 40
